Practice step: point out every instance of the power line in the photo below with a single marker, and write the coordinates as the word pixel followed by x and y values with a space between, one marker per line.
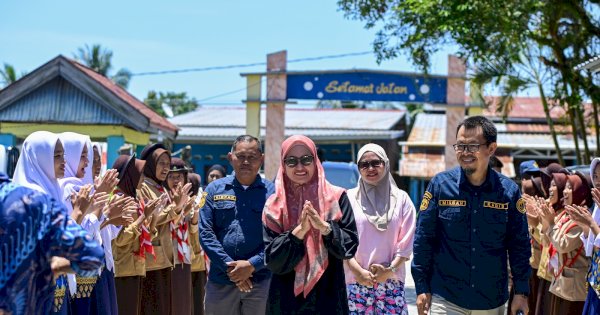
pixel 231 92
pixel 248 65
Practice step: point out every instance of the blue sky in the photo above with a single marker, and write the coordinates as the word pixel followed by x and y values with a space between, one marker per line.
pixel 154 36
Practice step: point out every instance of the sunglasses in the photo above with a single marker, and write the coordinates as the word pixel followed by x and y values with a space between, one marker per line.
pixel 292 161
pixel 373 163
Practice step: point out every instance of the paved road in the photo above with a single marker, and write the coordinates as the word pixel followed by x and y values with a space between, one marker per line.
pixel 409 289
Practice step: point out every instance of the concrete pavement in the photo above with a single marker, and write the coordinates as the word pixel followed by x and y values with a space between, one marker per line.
pixel 409 289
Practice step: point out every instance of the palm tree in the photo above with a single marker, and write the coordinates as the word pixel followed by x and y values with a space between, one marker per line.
pixel 95 57
pixel 8 75
pixel 99 59
pixel 512 78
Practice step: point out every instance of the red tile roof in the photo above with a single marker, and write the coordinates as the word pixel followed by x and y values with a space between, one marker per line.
pixel 136 104
pixel 525 107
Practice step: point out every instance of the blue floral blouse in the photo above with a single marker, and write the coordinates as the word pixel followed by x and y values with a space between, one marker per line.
pixel 33 228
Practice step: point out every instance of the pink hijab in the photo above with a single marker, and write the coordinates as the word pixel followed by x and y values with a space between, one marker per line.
pixel 283 208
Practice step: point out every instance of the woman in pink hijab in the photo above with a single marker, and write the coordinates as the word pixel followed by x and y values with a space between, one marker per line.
pixel 309 230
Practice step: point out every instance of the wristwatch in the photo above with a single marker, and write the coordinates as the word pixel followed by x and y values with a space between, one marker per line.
pixel 327 230
pixel 392 268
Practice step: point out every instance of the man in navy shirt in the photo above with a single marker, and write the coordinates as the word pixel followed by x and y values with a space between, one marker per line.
pixel 231 234
pixel 470 219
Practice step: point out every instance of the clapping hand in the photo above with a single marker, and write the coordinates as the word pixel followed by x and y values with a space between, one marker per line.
pixel 596 196
pixel 581 216
pixel 546 213
pixel 82 199
pixel 180 196
pixel 107 182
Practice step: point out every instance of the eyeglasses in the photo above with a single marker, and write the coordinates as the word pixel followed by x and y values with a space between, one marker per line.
pixel 249 158
pixel 292 161
pixel 471 148
pixel 373 163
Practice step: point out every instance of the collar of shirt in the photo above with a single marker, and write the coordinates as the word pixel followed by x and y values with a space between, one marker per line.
pixel 489 185
pixel 258 183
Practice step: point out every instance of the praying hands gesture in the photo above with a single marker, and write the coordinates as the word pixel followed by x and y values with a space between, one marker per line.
pixel 310 218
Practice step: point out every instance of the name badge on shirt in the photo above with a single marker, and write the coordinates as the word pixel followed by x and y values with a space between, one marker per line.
pixel 452 203
pixel 224 197
pixel 495 205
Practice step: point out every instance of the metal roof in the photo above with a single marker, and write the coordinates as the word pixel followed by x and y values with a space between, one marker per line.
pixel 593 65
pixel 216 124
pixel 427 165
pixel 212 134
pixel 346 119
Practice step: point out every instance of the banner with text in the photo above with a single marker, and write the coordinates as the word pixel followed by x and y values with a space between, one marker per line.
pixel 367 86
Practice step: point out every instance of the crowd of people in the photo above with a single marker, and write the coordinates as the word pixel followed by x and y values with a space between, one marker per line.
pixel 146 237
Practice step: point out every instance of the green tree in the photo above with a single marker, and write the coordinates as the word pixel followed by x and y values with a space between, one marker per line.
pixel 9 75
pixel 567 32
pixel 176 103
pixel 512 78
pixel 99 59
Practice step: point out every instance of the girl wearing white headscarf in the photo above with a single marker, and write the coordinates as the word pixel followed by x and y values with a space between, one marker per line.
pixel 591 240
pixel 385 220
pixel 94 295
pixel 77 148
pixel 39 167
pixel 40 162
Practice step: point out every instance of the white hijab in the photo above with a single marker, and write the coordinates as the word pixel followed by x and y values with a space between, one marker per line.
pixel 73 143
pixel 378 201
pixel 35 167
pixel 98 147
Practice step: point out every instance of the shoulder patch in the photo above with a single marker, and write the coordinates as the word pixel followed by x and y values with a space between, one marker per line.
pixel 224 197
pixel 495 205
pixel 521 205
pixel 452 203
pixel 425 203
pixel 202 200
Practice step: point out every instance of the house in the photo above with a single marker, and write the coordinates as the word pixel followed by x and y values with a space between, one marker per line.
pixel 64 95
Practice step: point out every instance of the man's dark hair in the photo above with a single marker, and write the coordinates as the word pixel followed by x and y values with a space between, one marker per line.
pixel 248 139
pixel 489 130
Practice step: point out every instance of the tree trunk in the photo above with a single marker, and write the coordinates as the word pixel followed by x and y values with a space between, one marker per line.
pixel 571 113
pixel 561 161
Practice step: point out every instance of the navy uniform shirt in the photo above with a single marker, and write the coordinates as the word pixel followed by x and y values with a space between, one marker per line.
pixel 463 236
pixel 231 226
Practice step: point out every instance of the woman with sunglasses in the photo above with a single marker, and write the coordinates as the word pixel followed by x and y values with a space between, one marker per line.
pixel 385 220
pixel 308 231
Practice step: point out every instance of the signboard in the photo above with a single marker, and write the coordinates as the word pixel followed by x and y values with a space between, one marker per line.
pixel 367 86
